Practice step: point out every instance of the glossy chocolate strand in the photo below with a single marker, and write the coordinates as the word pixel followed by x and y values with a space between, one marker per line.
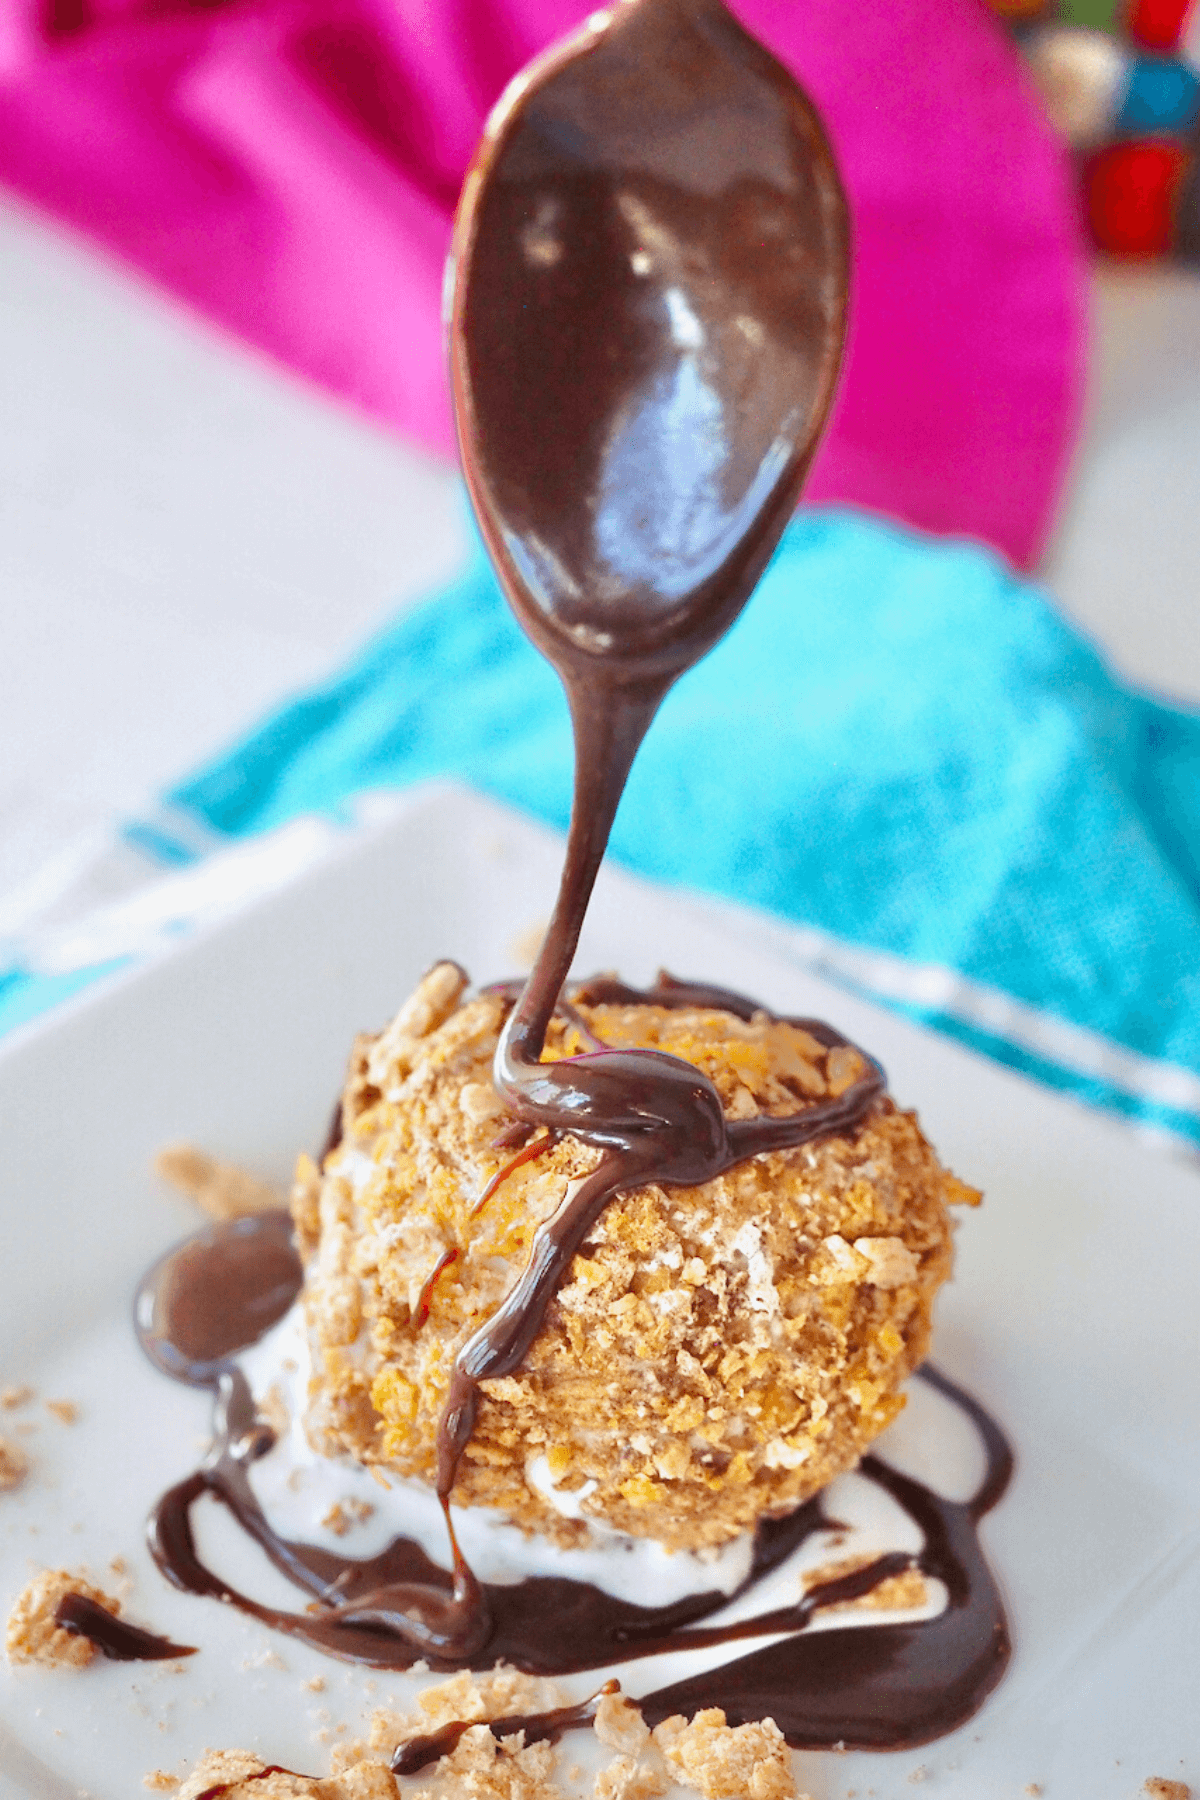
pixel 224 1787
pixel 500 1346
pixel 609 722
pixel 537 1728
pixel 446 1626
pixel 1000 1462
pixel 853 1586
pixel 426 1616
pixel 113 1637
pixel 656 1117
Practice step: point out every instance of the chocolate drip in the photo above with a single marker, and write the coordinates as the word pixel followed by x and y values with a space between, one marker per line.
pixel 114 1638
pixel 658 1119
pixel 387 1611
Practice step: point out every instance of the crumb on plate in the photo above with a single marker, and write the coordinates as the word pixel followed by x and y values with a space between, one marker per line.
pixel 14 1464
pixel 220 1189
pixel 32 1635
pixel 720 1760
pixel 896 1593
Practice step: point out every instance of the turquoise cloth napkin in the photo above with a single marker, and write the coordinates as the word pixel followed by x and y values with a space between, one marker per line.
pixel 900 744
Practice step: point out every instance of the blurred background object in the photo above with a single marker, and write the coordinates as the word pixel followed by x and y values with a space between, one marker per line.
pixel 1121 85
pixel 289 168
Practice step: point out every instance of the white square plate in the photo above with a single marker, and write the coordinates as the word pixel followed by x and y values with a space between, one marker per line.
pixel 1073 1316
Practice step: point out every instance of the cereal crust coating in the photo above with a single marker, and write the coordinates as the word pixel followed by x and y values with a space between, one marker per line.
pixel 716 1353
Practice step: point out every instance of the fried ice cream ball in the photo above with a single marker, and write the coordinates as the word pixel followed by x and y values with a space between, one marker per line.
pixel 715 1355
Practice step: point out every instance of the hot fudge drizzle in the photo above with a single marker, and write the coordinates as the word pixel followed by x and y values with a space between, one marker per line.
pixel 878 1686
pixel 744 229
pixel 655 1117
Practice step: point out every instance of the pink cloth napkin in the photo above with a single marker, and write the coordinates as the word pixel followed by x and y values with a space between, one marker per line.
pixel 290 167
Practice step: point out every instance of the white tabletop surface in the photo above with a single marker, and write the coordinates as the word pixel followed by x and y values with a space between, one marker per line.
pixel 188 533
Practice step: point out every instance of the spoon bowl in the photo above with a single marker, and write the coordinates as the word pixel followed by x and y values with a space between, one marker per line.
pixel 648 297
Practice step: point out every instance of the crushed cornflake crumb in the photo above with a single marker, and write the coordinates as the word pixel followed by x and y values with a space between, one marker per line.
pixel 626 1778
pixel 160 1781
pixel 315 1684
pixel 344 1515
pixel 891 1263
pixel 1159 1787
pixel 224 1768
pixel 220 1189
pixel 897 1593
pixel 33 1637
pixel 273 1407
pixel 619 1724
pixel 14 1464
pixel 480 1767
pixel 464 1696
pixel 241 1775
pixel 12 1397
pixel 1033 1789
pixel 751 1762
pixel 720 1761
pixel 66 1410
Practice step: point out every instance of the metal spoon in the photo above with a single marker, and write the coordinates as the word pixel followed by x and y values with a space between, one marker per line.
pixel 647 305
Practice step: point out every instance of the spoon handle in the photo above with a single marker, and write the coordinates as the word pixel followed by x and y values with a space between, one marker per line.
pixel 610 722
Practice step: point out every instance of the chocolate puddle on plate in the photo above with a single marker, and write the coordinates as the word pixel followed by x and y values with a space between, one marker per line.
pixel 877 1686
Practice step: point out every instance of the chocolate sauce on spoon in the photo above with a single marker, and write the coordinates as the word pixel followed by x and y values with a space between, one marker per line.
pixel 648 308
